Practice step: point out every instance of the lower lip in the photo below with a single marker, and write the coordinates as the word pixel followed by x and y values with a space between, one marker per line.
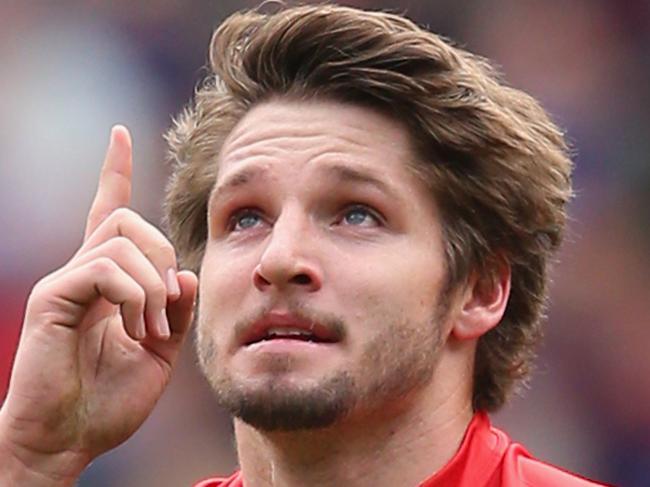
pixel 286 345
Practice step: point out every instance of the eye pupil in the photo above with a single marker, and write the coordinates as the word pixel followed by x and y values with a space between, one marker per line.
pixel 247 220
pixel 356 216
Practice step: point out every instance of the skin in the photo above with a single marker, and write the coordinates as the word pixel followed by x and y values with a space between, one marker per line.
pixel 291 228
pixel 323 243
pixel 299 233
pixel 110 320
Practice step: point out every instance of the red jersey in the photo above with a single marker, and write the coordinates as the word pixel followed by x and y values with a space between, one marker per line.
pixel 487 457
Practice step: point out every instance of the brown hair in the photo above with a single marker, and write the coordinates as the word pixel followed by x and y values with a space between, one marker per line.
pixel 497 166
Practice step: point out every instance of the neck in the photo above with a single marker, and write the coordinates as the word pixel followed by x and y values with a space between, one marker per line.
pixel 400 446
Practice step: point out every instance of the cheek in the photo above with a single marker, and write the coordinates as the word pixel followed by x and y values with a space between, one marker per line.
pixel 223 282
pixel 420 278
pixel 223 285
pixel 206 348
pixel 403 282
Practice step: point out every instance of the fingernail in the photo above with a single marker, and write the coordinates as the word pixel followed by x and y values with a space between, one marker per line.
pixel 163 325
pixel 140 329
pixel 173 288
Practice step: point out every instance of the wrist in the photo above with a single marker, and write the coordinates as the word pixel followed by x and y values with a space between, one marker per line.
pixel 37 469
pixel 22 466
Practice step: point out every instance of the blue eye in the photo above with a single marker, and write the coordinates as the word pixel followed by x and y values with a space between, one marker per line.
pixel 244 219
pixel 360 216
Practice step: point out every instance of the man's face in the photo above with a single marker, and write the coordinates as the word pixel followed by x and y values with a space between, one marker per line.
pixel 321 284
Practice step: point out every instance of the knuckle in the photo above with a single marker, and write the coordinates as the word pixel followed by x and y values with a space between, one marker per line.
pixel 46 285
pixel 103 265
pixel 123 213
pixel 122 217
pixel 116 216
pixel 40 288
pixel 121 245
pixel 164 250
pixel 139 297
pixel 157 290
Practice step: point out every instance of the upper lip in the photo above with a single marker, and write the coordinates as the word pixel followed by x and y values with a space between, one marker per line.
pixel 278 319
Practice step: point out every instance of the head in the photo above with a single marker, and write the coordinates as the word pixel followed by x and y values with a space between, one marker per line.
pixel 479 161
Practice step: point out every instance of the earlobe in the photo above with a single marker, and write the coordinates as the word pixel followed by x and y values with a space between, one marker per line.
pixel 483 303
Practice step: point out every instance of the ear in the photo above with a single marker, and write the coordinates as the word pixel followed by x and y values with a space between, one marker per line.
pixel 482 303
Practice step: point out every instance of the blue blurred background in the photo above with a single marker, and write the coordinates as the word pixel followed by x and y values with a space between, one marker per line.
pixel 70 69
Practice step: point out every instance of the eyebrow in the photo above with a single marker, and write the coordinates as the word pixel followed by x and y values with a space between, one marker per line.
pixel 237 180
pixel 340 173
pixel 347 174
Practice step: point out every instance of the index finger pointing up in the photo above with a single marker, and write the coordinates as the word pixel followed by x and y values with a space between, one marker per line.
pixel 114 188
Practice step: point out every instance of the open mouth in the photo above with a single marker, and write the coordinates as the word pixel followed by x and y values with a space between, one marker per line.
pixel 289 333
pixel 281 326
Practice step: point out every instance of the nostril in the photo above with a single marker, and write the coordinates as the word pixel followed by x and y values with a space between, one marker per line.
pixel 301 279
pixel 270 277
pixel 260 281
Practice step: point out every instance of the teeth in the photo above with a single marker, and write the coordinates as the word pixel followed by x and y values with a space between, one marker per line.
pixel 286 331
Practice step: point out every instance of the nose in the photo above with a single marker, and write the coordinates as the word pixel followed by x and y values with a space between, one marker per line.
pixel 288 262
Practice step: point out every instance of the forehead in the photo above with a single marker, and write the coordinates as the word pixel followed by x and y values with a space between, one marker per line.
pixel 315 150
pixel 308 129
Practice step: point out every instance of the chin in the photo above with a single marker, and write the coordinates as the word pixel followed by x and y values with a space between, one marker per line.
pixel 276 403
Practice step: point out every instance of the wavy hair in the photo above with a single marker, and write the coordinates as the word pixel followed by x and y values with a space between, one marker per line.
pixel 497 166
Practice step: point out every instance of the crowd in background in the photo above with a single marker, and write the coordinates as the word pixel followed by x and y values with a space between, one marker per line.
pixel 71 69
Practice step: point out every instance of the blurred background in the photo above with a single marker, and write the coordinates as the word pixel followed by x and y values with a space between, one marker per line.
pixel 72 69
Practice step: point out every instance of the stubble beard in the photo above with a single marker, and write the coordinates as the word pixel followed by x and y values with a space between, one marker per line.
pixel 398 361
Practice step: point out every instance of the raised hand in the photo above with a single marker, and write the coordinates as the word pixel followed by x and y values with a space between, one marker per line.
pixel 99 340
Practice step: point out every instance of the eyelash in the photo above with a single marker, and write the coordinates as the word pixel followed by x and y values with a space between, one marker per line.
pixel 236 216
pixel 378 220
pixel 234 219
